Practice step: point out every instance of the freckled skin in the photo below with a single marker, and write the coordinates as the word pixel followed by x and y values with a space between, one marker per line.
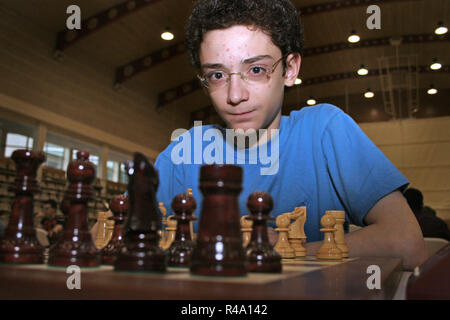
pixel 229 47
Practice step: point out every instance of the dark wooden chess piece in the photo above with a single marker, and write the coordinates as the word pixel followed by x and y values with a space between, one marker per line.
pixel 181 248
pixel 64 206
pixel 218 250
pixel 261 255
pixel 75 245
pixel 430 281
pixel 119 208
pixel 140 250
pixel 20 244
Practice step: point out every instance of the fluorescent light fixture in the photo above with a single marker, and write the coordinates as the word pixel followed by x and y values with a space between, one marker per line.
pixel 353 38
pixel 311 101
pixel 362 71
pixel 441 29
pixel 166 35
pixel 369 94
pixel 432 90
pixel 435 65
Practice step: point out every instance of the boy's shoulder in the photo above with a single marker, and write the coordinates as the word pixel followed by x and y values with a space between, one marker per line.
pixel 321 112
pixel 318 116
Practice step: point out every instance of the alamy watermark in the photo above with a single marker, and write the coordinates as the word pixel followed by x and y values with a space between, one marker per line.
pixel 74 280
pixel 74 20
pixel 374 281
pixel 234 153
pixel 374 20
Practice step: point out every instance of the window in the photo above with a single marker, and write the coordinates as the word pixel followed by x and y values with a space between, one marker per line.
pixel 116 172
pixel 112 171
pixel 123 174
pixel 16 141
pixel 57 156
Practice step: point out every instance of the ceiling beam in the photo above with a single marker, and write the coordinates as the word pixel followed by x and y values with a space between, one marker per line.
pixel 172 94
pixel 343 4
pixel 354 75
pixel 65 38
pixel 133 68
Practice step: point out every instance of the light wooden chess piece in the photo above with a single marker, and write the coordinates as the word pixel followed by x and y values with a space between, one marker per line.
pixel 246 228
pixel 171 231
pixel 162 232
pixel 283 246
pixel 191 223
pixel 339 236
pixel 101 236
pixel 296 233
pixel 328 250
pixel 109 229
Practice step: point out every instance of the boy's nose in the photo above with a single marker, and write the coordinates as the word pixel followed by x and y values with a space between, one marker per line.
pixel 237 89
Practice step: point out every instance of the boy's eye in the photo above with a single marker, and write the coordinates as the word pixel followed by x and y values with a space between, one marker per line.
pixel 257 71
pixel 215 75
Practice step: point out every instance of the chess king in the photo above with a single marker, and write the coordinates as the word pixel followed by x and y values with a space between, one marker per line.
pixel 246 52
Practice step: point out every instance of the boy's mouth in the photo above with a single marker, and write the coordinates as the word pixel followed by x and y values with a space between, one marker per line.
pixel 242 114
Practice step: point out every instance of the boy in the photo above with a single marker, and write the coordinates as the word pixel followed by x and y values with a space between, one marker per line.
pixel 246 51
pixel 47 219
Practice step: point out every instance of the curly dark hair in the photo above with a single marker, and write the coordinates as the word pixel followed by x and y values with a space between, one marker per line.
pixel 278 18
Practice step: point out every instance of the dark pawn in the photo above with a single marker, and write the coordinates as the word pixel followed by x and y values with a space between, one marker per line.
pixel 218 250
pixel 140 250
pixel 20 244
pixel 261 256
pixel 75 246
pixel 181 249
pixel 119 208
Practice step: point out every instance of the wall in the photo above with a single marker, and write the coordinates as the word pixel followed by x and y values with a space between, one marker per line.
pixel 420 148
pixel 74 95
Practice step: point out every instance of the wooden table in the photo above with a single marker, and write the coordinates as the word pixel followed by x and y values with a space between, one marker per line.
pixel 346 280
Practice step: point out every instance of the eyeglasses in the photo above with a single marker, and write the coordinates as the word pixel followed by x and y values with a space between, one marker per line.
pixel 256 73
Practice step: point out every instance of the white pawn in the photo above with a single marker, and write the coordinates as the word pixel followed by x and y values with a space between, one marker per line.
pixel 283 246
pixel 328 250
pixel 162 232
pixel 246 228
pixel 339 235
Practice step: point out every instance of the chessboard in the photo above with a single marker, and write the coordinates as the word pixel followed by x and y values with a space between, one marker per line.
pixel 225 260
pixel 307 278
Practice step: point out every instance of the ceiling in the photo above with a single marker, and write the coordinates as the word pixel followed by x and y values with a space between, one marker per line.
pixel 124 37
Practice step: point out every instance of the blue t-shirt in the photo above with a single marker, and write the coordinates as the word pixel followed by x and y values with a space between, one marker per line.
pixel 320 159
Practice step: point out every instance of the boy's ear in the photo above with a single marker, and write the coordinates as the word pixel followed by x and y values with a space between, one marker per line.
pixel 293 63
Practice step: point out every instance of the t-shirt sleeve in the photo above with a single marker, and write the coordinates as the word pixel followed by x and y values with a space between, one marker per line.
pixel 171 180
pixel 361 174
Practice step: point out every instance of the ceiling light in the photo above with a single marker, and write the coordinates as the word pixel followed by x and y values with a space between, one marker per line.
pixel 362 71
pixel 298 81
pixel 432 90
pixel 167 35
pixel 435 65
pixel 369 94
pixel 353 38
pixel 311 101
pixel 441 29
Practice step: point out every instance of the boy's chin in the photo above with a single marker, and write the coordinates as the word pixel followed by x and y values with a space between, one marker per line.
pixel 244 126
